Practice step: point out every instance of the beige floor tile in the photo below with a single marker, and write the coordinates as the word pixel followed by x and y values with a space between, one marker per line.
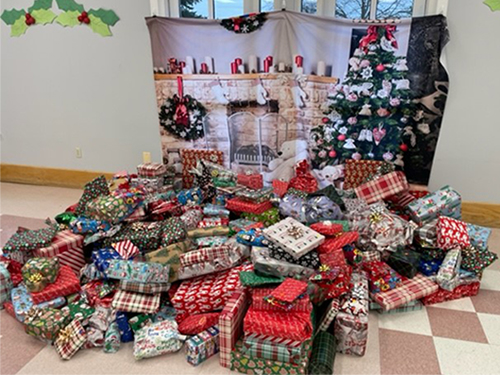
pixel 491 326
pixel 491 280
pixel 462 304
pixel 413 321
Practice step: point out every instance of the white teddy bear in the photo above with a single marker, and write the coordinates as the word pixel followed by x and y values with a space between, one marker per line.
pixel 328 175
pixel 282 168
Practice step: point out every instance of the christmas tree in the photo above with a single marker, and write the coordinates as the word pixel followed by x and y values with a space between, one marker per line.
pixel 370 109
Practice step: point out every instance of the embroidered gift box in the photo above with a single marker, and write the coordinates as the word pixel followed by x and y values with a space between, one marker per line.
pixel 140 272
pixel 46 323
pixel 266 265
pixel 383 187
pixel 202 346
pixel 136 302
pixel 66 283
pixel 443 202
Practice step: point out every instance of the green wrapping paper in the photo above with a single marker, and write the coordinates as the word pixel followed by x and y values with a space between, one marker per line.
pixel 112 339
pixel 251 279
pixel 170 255
pixel 268 218
pixel 39 272
pixel 46 323
pixel 323 354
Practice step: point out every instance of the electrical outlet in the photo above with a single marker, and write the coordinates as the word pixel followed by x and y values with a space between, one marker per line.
pixel 78 153
pixel 146 157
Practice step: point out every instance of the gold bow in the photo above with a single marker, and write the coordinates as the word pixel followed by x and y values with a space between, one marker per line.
pixel 35 278
pixel 64 335
pixel 137 226
pixel 376 217
pixel 324 268
pixel 295 232
pixel 32 314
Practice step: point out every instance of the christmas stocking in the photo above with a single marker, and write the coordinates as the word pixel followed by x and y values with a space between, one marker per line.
pixel 218 92
pixel 261 93
pixel 299 95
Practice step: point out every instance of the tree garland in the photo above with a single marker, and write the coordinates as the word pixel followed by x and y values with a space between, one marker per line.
pixel 245 24
pixel 183 117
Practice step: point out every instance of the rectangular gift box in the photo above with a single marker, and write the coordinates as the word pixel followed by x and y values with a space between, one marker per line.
pixel 426 235
pixel 241 205
pixel 253 181
pixel 356 172
pixel 208 232
pixel 309 260
pixel 266 265
pixel 202 346
pixel 231 324
pixel 141 272
pixel 335 243
pixel 410 290
pixel 22 302
pixel 258 302
pixel 451 233
pixel 478 235
pixel 39 272
pixel 275 349
pixel 136 302
pixel 70 339
pixel 255 196
pixel 329 316
pixel 410 306
pixel 405 262
pixel 293 237
pixel 46 323
pixel 67 283
pixel 68 247
pixel 169 255
pixel 383 187
pixel 144 288
pixel 381 276
pixel 151 169
pixel 461 291
pixel 443 202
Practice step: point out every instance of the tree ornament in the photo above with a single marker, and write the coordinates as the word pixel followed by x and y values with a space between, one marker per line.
pixel 352 120
pixel 383 112
pixel 245 24
pixel 403 147
pixel 378 134
pixel 371 155
pixel 325 120
pixel 341 137
pixel 349 144
pixel 332 154
pixel 380 68
pixel 356 156
pixel 365 110
pixel 367 73
pixel 388 156
pixel 365 135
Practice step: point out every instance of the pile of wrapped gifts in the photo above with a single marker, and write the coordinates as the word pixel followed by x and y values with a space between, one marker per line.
pixel 277 279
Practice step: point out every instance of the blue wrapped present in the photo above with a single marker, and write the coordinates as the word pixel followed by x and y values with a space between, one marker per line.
pixel 21 302
pixel 429 267
pixel 478 235
pixel 251 237
pixel 193 195
pixel 126 333
pixel 102 257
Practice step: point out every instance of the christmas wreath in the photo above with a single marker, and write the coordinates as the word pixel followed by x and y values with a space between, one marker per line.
pixel 183 117
pixel 245 24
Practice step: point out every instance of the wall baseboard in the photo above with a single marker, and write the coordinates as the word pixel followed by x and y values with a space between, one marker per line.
pixel 485 214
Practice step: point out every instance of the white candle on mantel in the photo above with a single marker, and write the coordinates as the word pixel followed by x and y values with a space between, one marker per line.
pixel 210 64
pixel 190 63
pixel 252 64
pixel 187 69
pixel 321 71
pixel 299 70
pixel 281 67
pixel 333 75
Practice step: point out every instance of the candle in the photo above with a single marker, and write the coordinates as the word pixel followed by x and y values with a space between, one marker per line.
pixel 281 67
pixel 321 70
pixel 238 61
pixel 204 68
pixel 210 64
pixel 267 65
pixel 190 63
pixel 299 61
pixel 252 64
pixel 234 68
pixel 299 70
pixel 333 75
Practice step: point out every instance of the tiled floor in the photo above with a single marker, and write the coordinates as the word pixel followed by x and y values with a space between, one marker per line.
pixel 457 337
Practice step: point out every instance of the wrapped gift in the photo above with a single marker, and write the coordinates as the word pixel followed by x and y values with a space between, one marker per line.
pixel 70 339
pixel 293 237
pixel 267 265
pixel 303 180
pixel 126 334
pixel 66 283
pixel 426 235
pixel 22 302
pixel 241 205
pixel 211 222
pixel 280 187
pixel 117 206
pixel 141 272
pixel 151 169
pixel 197 323
pixel 136 302
pixel 144 288
pixel 210 241
pixel 429 267
pixel 275 349
pixel 220 176
pixel 410 290
pixel 80 310
pixel 443 202
pixel 259 301
pixel 309 210
pixel 287 295
pixel 39 272
pixel 478 235
pixel 309 260
pixel 83 225
pixel 208 232
pixel 383 187
pixel 92 190
pixel 252 279
pixel 126 249
pixel 251 180
pixel 190 196
pixel 477 259
pixel 215 210
pixel 112 339
pixel 145 235
pixel 329 315
pixel 327 228
pixel 323 354
pixel 287 325
pixel 335 243
pixel 170 256
pixel 231 324
pixel 209 292
pixel 14 269
pixel 46 323
pixel 5 284
pixel 461 291
pixel 267 218
pixel 448 276
pixel 244 224
pixel 405 262
pixel 173 231
pixel 157 339
pixel 357 172
pixel 250 365
pixel 191 218
pixel 330 282
pixel 407 307
pixel 102 257
pixel 190 158
pixel 255 196
pixel 371 255
pixel 381 277
pixel 451 233
pixel 202 346
pixel 20 246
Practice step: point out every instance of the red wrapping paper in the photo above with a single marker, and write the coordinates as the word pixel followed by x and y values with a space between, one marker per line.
pixel 258 303
pixel 66 283
pixel 14 268
pixel 358 171
pixel 339 242
pixel 240 205
pixel 335 258
pixel 280 187
pixel 327 229
pixel 253 181
pixel 467 290
pixel 452 233
pixel 304 180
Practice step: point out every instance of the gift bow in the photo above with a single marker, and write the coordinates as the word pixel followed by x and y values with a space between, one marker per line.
pixel 372 35
pixel 181 113
pixel 32 314
pixel 65 335
pixel 35 278
pixel 295 232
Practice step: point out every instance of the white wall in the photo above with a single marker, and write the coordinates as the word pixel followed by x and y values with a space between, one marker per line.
pixel 64 88
pixel 468 153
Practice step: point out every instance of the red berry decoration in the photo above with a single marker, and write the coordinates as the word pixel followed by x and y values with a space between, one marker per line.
pixel 80 18
pixel 380 68
pixel 403 147
pixel 325 120
pixel 84 14
pixel 86 20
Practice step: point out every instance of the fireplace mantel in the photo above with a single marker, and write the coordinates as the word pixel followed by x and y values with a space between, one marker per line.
pixel 226 77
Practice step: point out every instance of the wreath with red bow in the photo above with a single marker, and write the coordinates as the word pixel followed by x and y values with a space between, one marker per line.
pixel 245 24
pixel 183 117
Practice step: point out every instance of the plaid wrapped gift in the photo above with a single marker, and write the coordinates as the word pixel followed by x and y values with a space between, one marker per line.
pixel 309 260
pixel 448 276
pixel 190 159
pixel 21 302
pixel 443 202
pixel 46 323
pixel 141 272
pixel 202 346
pixel 170 256
pixel 66 283
pixel 250 365
pixel 335 243
pixel 70 339
pixel 451 233
pixel 329 316
pixel 144 288
pixel 266 265
pixel 383 187
pixel 478 235
pixel 252 279
pixel 429 267
pixel 241 205
pixel 477 259
pixel 357 172
pixel 136 302
pixel 259 302
pixel 5 284
pixel 323 354
pixel 251 180
pixel 68 247
pixel 405 262
pixel 126 249
pixel 293 237
pixel 381 277
pixel 208 292
pixel 426 235
pixel 39 272
pixel 151 169
pixel 410 306
pixel 231 324
pixel 461 291
pixel 371 255
pixel 410 290
pixel 208 232
pixel 92 190
pixel 275 349
pixel 207 254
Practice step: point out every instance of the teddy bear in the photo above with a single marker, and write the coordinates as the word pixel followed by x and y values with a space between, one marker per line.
pixel 328 175
pixel 282 168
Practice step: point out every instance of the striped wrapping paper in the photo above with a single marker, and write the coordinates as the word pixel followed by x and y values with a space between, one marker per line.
pixel 207 254
pixel 330 314
pixel 383 187
pixel 151 169
pixel 68 247
pixel 126 249
pixel 231 324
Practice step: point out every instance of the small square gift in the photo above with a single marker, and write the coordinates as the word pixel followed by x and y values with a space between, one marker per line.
pixel 46 323
pixel 66 283
pixel 405 262
pixel 70 339
pixel 381 276
pixel 383 187
pixel 478 235
pixel 136 302
pixel 293 237
pixel 451 233
pixel 39 272
pixel 151 169
pixel 443 202
pixel 251 180
pixel 157 339
pixel 141 272
pixel 202 346
pixel 231 324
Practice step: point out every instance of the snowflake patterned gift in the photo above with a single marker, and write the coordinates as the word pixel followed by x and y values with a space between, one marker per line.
pixel 141 272
pixel 443 202
pixel 157 339
pixel 267 265
pixel 452 233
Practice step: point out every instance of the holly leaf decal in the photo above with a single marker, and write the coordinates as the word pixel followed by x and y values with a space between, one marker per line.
pixel 43 16
pixel 98 26
pixel 19 27
pixel 69 18
pixel 69 5
pixel 40 4
pixel 493 4
pixel 109 17
pixel 11 16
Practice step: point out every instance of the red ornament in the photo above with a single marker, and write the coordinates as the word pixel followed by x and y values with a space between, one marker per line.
pixel 341 137
pixel 332 154
pixel 325 120
pixel 380 68
pixel 403 147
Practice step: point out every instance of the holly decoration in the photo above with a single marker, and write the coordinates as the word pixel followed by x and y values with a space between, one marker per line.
pixel 245 24
pixel 493 4
pixel 20 20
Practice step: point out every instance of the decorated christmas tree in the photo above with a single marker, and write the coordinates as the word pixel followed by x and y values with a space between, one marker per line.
pixel 370 109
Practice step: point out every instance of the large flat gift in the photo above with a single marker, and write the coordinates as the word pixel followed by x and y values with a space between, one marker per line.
pixel 142 272
pixel 410 290
pixel 68 247
pixel 67 283
pixel 136 302
pixel 293 237
pixel 443 202
pixel 461 291
pixel 383 187
pixel 267 265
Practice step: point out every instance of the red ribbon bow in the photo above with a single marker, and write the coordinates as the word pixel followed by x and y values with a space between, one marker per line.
pixel 181 113
pixel 372 36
